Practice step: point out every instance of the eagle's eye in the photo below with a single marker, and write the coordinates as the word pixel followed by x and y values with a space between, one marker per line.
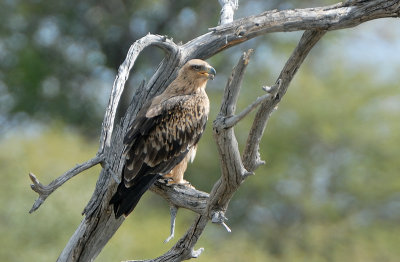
pixel 196 67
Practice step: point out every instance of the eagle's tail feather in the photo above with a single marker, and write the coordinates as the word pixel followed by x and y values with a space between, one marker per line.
pixel 126 198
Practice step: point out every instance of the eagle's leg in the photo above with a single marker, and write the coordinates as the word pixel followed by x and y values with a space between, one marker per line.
pixel 176 175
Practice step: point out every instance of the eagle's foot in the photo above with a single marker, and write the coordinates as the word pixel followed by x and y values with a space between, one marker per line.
pixel 183 182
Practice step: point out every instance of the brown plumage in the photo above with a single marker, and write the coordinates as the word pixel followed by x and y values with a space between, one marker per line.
pixel 165 130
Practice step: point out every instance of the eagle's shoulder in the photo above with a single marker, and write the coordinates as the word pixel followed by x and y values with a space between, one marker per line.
pixel 153 113
pixel 160 105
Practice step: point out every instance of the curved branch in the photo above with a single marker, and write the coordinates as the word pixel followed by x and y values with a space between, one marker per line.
pixel 123 73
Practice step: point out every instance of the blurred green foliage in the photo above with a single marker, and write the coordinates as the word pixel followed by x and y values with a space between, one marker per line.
pixel 330 190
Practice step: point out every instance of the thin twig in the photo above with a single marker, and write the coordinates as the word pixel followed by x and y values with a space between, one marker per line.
pixel 233 120
pixel 220 218
pixel 233 85
pixel 45 191
pixel 173 211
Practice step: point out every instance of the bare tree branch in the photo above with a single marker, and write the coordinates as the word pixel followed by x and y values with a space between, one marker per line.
pixel 182 196
pixel 45 191
pixel 251 155
pixel 228 10
pixel 338 16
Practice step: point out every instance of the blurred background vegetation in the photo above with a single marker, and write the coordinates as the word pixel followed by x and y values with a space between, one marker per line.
pixel 330 190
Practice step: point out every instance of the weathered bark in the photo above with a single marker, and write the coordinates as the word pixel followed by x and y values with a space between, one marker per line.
pixel 99 223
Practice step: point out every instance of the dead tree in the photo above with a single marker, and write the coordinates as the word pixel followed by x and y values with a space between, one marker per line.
pixel 99 224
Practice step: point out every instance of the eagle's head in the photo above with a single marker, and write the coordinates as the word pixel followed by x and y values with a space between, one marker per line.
pixel 197 69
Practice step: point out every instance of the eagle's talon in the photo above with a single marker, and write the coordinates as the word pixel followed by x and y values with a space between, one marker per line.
pixel 183 182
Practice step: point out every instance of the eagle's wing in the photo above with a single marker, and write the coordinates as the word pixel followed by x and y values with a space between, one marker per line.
pixel 162 135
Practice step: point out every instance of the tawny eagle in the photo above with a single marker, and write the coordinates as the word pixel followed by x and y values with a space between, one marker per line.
pixel 164 135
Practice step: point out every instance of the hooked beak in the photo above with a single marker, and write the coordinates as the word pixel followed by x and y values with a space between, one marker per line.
pixel 211 73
